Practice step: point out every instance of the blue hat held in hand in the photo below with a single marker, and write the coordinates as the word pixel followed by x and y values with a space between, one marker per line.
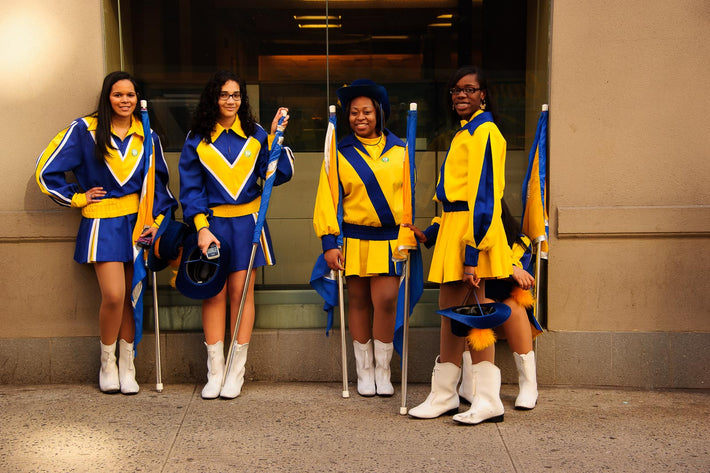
pixel 199 277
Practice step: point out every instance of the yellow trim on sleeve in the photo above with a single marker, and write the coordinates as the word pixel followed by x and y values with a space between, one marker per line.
pixel 200 221
pixel 78 200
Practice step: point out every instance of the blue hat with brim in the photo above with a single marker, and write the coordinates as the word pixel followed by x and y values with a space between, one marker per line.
pixel 364 88
pixel 166 245
pixel 465 317
pixel 199 277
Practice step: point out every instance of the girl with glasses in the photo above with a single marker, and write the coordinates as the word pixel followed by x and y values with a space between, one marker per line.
pixel 225 154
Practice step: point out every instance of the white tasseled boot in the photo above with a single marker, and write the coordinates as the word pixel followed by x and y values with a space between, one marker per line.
pixel 527 380
pixel 486 405
pixel 126 369
pixel 467 388
pixel 365 365
pixel 215 370
pixel 383 356
pixel 443 398
pixel 108 373
pixel 234 380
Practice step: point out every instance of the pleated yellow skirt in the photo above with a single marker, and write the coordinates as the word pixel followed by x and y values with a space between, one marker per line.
pixel 450 250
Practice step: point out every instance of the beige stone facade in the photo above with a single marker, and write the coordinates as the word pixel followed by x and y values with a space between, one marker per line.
pixel 629 192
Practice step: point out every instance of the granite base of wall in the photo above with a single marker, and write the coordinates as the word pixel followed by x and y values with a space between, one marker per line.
pixel 622 359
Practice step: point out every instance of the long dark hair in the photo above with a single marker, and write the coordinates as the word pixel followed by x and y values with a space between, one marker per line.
pixel 104 112
pixel 510 225
pixel 482 78
pixel 205 117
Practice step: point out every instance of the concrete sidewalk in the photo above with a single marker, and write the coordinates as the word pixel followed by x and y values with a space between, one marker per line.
pixel 309 427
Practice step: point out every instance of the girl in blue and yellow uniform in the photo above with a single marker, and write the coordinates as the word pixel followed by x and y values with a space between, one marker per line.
pixel 105 153
pixel 225 154
pixel 370 170
pixel 471 245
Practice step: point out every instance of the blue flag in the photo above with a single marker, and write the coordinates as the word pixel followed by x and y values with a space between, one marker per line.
pixel 407 244
pixel 145 218
pixel 324 281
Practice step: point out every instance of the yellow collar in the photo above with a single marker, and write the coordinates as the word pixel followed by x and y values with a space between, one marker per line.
pixel 236 128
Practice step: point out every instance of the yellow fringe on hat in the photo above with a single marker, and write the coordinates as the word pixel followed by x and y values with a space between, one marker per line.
pixel 172 279
pixel 481 338
pixel 522 297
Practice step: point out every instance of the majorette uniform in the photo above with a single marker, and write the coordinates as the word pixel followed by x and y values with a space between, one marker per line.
pixel 219 187
pixel 105 232
pixel 470 188
pixel 370 174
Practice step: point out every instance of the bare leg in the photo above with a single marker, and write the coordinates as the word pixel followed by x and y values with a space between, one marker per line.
pixel 384 290
pixel 359 308
pixel 450 346
pixel 235 287
pixel 214 315
pixel 127 331
pixel 517 328
pixel 111 276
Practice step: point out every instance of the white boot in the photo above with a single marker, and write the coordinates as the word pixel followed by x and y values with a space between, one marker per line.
pixel 126 369
pixel 383 356
pixel 365 365
pixel 486 405
pixel 443 398
pixel 215 370
pixel 234 380
pixel 467 388
pixel 527 380
pixel 108 373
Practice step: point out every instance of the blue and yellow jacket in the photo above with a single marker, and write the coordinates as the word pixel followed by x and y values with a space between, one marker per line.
pixel 120 174
pixel 225 172
pixel 370 174
pixel 473 175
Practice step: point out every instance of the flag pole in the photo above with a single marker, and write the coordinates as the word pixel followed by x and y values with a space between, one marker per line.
pixel 341 306
pixel 148 146
pixel 538 259
pixel 260 220
pixel 158 368
pixel 405 338
pixel 407 274
pixel 343 346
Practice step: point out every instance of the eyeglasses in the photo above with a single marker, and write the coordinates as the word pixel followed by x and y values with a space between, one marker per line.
pixel 467 90
pixel 224 96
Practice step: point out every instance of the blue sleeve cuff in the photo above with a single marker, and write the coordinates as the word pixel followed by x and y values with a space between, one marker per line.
pixel 328 242
pixel 471 258
pixel 431 233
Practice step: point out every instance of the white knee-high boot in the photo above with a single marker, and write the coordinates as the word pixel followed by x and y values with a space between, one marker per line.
pixel 383 356
pixel 215 370
pixel 365 366
pixel 467 388
pixel 108 373
pixel 443 398
pixel 234 380
pixel 126 368
pixel 486 405
pixel 527 381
